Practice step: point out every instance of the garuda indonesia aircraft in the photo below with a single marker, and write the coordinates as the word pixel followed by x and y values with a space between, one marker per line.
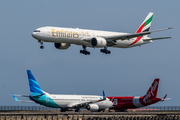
pixel 64 37
pixel 65 102
pixel 123 103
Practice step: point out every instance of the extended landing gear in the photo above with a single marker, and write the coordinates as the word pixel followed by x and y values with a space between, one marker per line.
pixel 42 47
pixel 84 51
pixel 77 110
pixel 125 110
pixel 105 51
pixel 101 110
pixel 63 110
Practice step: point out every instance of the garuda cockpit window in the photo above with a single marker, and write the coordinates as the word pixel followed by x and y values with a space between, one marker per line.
pixel 36 30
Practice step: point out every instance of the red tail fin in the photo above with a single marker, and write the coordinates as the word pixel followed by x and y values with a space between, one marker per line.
pixel 152 92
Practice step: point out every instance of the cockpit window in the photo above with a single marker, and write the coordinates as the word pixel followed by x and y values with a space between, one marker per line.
pixel 36 30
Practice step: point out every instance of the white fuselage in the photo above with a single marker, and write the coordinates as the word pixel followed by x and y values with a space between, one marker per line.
pixel 70 101
pixel 81 36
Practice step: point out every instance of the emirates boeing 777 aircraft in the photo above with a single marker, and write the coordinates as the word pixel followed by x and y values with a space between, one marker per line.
pixel 64 37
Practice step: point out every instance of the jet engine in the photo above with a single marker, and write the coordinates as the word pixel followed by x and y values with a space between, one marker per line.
pixel 61 45
pixel 93 107
pixel 98 42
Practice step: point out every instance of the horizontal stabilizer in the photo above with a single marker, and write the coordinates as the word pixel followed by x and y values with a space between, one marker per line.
pixel 19 95
pixel 19 100
pixel 167 99
pixel 15 97
pixel 156 38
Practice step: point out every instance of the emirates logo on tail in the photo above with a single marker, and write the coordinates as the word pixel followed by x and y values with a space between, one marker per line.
pixel 151 92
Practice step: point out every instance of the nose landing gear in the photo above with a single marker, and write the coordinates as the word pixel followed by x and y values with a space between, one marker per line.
pixel 84 51
pixel 42 47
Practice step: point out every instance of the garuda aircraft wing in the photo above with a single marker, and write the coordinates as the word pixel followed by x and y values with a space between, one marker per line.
pixel 129 35
pixel 81 105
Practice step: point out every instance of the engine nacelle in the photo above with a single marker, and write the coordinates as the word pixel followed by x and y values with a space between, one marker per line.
pixel 98 42
pixel 93 107
pixel 61 45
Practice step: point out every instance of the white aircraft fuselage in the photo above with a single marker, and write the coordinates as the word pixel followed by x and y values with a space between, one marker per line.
pixel 70 101
pixel 82 37
pixel 64 37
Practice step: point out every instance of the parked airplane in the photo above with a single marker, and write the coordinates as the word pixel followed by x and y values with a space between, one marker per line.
pixel 124 103
pixel 65 102
pixel 64 37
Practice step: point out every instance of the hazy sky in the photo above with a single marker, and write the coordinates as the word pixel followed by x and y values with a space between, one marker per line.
pixel 125 72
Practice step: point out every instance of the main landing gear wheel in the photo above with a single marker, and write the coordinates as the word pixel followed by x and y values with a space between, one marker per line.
pixel 76 110
pixel 63 110
pixel 42 47
pixel 84 51
pixel 105 51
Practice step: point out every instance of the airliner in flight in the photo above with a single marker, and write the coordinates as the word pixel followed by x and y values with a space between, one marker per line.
pixel 65 102
pixel 64 37
pixel 124 103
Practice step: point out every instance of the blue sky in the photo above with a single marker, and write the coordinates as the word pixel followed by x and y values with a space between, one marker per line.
pixel 125 72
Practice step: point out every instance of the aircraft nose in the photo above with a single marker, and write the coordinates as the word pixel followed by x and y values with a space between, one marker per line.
pixel 34 35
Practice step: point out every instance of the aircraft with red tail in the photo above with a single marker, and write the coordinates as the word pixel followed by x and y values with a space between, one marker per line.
pixel 124 103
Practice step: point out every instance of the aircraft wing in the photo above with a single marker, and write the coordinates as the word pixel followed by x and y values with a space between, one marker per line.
pixel 80 105
pixel 129 35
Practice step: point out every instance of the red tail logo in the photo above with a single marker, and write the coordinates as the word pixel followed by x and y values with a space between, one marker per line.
pixel 152 92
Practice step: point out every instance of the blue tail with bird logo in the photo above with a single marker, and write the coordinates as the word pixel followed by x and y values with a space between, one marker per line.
pixel 33 85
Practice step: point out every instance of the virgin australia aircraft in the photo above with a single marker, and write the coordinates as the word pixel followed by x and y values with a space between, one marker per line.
pixel 90 102
pixel 64 37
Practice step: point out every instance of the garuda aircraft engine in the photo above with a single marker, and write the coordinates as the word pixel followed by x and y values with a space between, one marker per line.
pixel 62 46
pixel 93 107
